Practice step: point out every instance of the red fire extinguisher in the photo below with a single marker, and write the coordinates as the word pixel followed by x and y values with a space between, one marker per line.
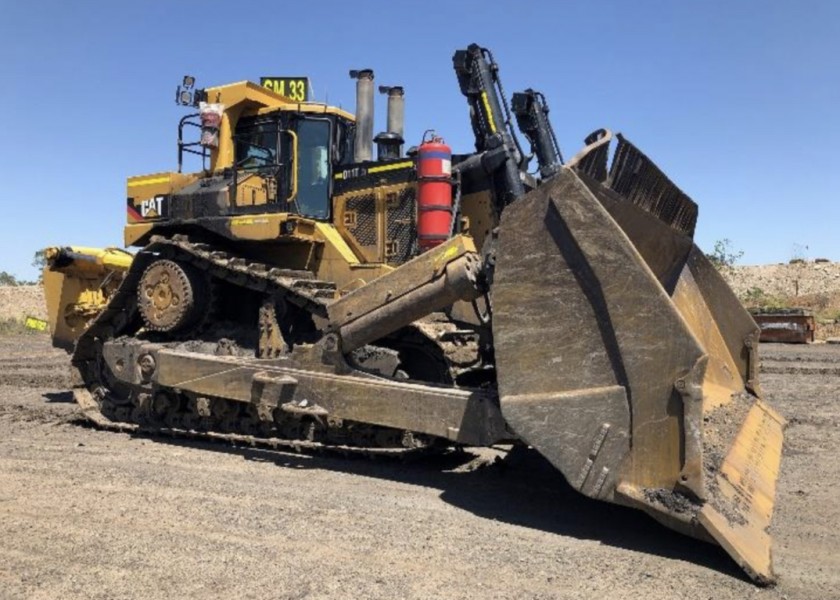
pixel 434 192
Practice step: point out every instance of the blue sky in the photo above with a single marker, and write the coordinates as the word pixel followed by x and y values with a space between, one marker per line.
pixel 736 101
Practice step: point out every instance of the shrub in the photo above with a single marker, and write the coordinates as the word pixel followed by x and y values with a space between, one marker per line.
pixel 723 256
pixel 756 297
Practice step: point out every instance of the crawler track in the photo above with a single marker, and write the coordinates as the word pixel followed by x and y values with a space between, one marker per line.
pixel 92 411
pixel 110 405
pixel 297 287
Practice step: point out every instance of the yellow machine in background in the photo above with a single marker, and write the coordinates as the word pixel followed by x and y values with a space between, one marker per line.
pixel 297 292
pixel 77 284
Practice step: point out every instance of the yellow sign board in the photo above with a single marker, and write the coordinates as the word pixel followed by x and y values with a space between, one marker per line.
pixel 35 323
pixel 294 88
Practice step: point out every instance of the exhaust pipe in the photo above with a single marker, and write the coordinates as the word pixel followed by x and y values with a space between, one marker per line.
pixel 389 144
pixel 363 147
pixel 396 109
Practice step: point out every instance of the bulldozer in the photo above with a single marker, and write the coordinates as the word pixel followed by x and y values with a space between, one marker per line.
pixel 296 292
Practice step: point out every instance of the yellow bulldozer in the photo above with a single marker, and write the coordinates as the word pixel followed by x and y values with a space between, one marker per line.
pixel 298 292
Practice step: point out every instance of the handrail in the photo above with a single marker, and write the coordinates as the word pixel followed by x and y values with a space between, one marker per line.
pixel 188 147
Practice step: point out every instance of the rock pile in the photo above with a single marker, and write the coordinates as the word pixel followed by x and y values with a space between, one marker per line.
pixel 786 280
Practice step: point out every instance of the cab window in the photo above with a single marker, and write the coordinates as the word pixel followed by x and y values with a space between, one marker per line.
pixel 313 169
pixel 256 146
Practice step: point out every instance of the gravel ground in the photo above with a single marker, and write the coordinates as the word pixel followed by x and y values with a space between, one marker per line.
pixel 92 514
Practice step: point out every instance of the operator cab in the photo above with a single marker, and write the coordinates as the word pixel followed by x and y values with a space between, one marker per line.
pixel 260 152
pixel 294 155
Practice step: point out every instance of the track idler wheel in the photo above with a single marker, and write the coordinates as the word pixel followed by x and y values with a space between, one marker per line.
pixel 172 296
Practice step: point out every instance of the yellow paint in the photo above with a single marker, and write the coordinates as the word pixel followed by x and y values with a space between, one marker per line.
pixel 400 165
pixel 134 232
pixel 147 181
pixel 340 264
pixel 746 486
pixel 92 260
pixel 486 102
pixel 455 247
pixel 312 108
pixel 330 234
pixel 723 376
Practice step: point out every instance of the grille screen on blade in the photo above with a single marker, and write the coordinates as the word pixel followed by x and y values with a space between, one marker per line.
pixel 638 180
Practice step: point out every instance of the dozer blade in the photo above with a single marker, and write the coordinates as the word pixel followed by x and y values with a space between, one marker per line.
pixel 625 359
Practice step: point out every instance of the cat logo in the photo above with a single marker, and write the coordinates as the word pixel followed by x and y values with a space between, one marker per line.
pixel 152 208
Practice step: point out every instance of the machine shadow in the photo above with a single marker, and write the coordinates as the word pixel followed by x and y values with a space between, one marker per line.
pixel 519 488
pixel 64 397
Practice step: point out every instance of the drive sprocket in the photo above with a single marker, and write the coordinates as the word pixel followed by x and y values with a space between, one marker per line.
pixel 171 296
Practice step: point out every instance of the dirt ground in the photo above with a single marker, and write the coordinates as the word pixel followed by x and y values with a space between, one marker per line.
pixel 92 514
pixel 20 301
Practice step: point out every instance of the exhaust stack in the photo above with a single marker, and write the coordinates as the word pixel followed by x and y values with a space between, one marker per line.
pixel 363 147
pixel 396 108
pixel 389 144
